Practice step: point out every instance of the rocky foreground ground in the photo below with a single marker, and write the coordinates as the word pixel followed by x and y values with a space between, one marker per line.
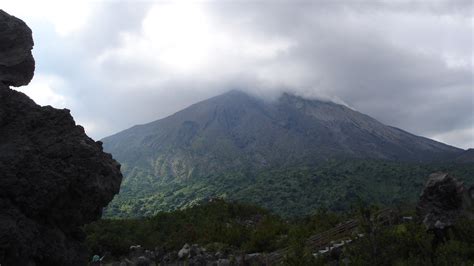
pixel 443 201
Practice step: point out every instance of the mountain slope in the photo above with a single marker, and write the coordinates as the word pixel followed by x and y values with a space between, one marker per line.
pixel 233 143
pixel 234 131
pixel 466 157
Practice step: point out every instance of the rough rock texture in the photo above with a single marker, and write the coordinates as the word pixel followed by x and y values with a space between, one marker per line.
pixel 444 199
pixel 16 61
pixel 53 178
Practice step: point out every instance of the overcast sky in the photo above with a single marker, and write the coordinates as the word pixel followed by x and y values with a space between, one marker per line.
pixel 116 64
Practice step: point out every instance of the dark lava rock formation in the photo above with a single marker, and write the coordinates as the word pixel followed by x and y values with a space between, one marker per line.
pixel 53 178
pixel 16 62
pixel 444 200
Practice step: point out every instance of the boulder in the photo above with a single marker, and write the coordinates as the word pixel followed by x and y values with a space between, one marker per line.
pixel 170 257
pixel 223 262
pixel 195 250
pixel 254 259
pixel 54 178
pixel 136 251
pixel 149 254
pixel 16 61
pixel 444 199
pixel 198 260
pixel 185 252
pixel 143 261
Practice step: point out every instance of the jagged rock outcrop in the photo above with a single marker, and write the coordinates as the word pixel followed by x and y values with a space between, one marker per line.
pixel 53 178
pixel 444 200
pixel 16 61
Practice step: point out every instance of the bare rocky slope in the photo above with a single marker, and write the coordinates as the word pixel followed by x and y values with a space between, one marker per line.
pixel 53 178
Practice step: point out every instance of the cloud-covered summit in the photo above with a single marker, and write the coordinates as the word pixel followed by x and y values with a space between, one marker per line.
pixel 118 63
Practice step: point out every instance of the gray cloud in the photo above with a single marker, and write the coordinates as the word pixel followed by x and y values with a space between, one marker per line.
pixel 406 63
pixel 346 49
pixel 110 19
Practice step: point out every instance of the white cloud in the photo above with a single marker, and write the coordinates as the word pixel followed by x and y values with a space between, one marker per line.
pixel 67 16
pixel 407 63
pixel 179 39
pixel 43 89
pixel 461 138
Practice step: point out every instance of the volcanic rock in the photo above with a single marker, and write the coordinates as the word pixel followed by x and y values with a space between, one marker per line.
pixel 16 61
pixel 53 178
pixel 185 251
pixel 444 200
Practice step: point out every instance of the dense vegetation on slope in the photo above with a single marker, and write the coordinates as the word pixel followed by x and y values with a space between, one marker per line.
pixel 296 191
pixel 233 228
pixel 289 155
pixel 410 244
pixel 227 225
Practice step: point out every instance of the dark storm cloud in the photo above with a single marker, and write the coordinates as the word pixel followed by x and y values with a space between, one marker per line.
pixel 406 63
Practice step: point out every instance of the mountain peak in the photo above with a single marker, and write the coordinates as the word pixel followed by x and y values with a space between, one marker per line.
pixel 235 130
pixel 235 136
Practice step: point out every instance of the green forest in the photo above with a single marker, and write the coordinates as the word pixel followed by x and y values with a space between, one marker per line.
pixel 289 192
pixel 276 213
